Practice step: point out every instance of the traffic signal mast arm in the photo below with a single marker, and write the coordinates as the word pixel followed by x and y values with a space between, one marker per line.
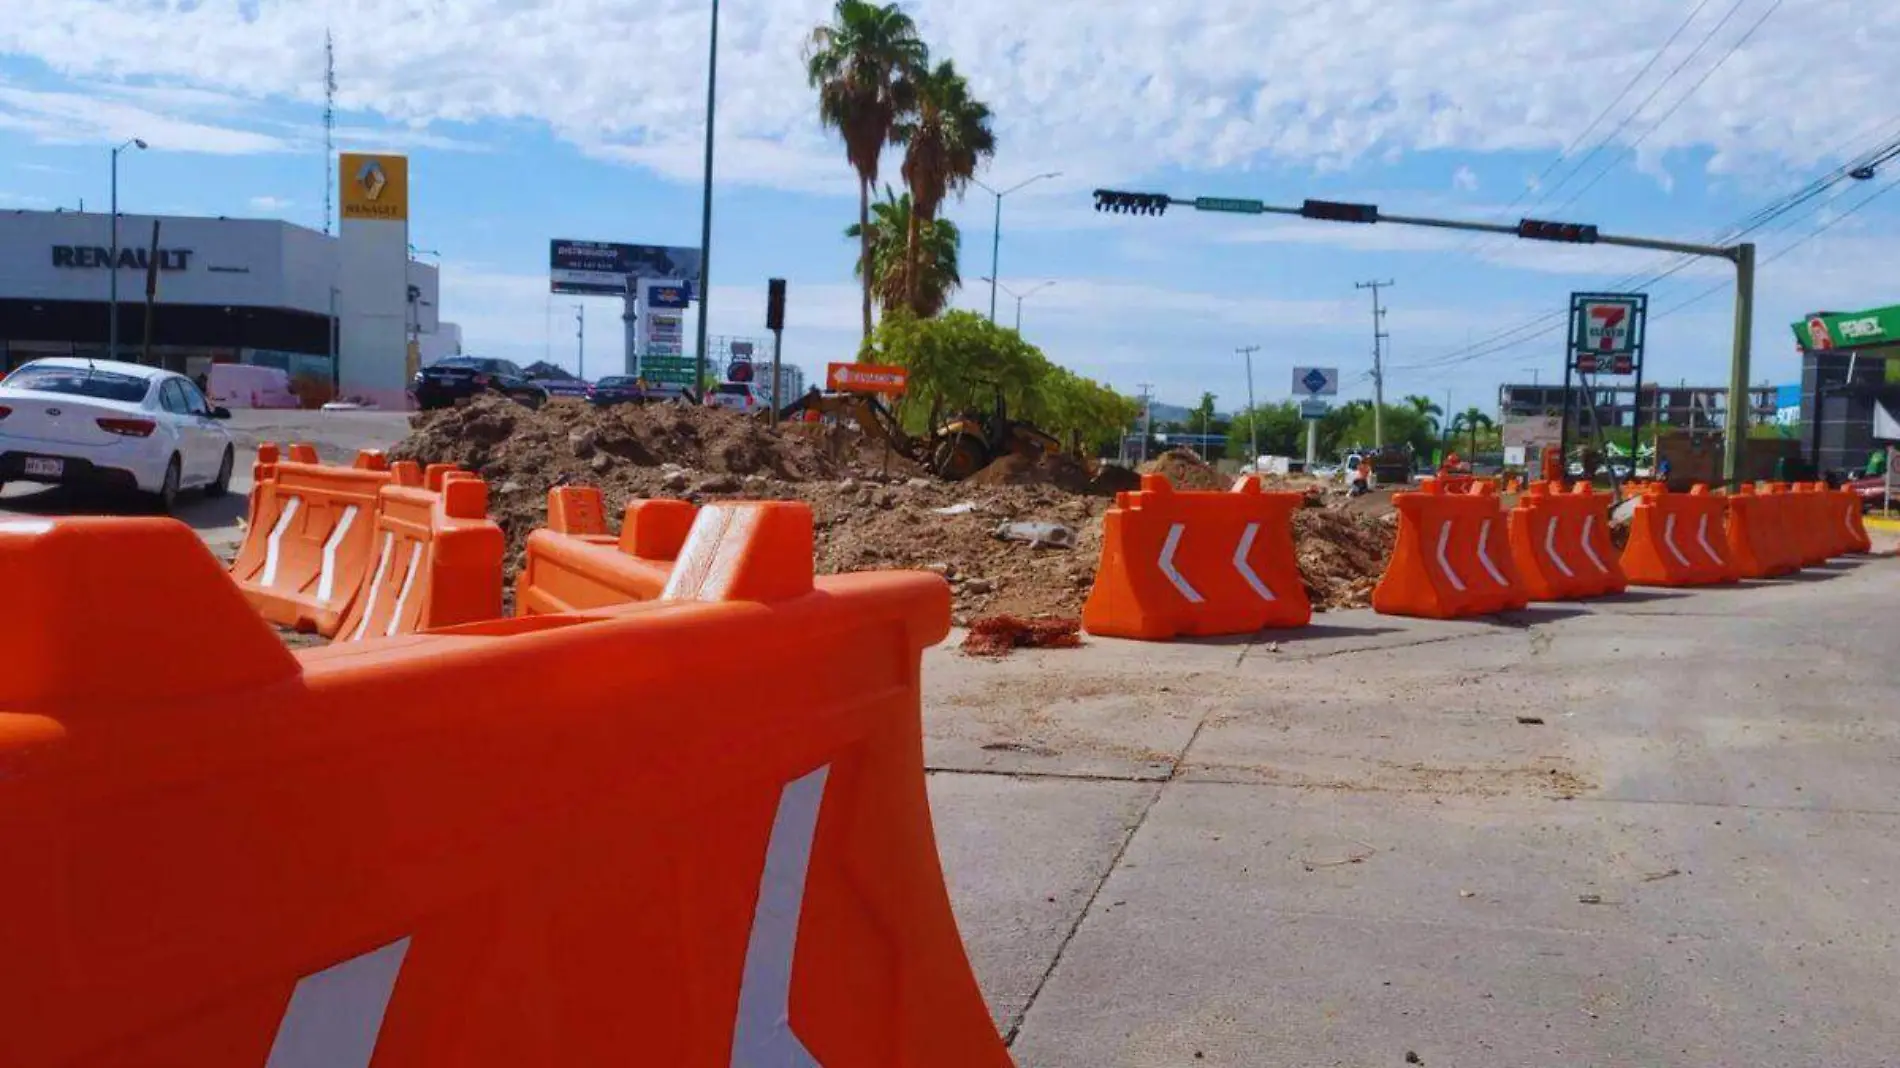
pixel 1119 202
pixel 1742 256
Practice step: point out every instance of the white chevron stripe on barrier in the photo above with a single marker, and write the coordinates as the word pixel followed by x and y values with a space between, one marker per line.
pixel 1167 565
pixel 1484 555
pixel 1669 539
pixel 1550 547
pixel 335 1015
pixel 1444 538
pixel 1702 538
pixel 1246 570
pixel 1589 550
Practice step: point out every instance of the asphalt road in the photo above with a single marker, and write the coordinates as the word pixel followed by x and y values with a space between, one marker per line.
pixel 1348 847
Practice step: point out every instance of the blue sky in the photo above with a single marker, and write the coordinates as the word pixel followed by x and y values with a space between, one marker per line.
pixel 582 119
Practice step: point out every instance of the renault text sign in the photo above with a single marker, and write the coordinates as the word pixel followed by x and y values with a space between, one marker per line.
pixel 374 187
pixel 1606 331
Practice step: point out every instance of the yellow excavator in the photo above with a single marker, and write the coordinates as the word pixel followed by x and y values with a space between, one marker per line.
pixel 955 449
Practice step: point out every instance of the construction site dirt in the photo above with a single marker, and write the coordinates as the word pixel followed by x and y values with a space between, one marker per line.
pixel 1021 538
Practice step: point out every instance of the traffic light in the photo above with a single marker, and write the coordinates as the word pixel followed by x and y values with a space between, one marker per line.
pixel 1570 233
pixel 1131 203
pixel 775 304
pixel 1333 211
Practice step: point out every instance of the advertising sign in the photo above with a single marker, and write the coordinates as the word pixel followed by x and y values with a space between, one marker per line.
pixel 1533 431
pixel 1606 331
pixel 1825 333
pixel 605 268
pixel 865 378
pixel 1316 381
pixel 668 370
pixel 374 187
pixel 1314 410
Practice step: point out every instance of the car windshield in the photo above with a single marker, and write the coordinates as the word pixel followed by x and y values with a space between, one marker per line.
pixel 80 382
pixel 500 367
pixel 615 383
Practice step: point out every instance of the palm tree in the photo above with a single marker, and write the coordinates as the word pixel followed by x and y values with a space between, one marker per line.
pixel 1471 421
pixel 946 136
pixel 1424 407
pixel 938 242
pixel 862 63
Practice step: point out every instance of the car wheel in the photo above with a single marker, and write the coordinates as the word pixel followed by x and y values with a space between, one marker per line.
pixel 223 484
pixel 167 496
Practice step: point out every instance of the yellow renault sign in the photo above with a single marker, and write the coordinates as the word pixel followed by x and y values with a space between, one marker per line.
pixel 374 187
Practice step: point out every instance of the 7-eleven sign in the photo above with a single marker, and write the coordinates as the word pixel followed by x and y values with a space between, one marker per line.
pixel 1607 331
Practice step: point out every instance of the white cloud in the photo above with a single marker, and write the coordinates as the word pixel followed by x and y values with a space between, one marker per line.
pixel 1214 85
pixel 1465 179
pixel 270 204
pixel 65 117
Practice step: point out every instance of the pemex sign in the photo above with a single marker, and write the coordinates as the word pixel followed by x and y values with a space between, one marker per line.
pixel 1607 331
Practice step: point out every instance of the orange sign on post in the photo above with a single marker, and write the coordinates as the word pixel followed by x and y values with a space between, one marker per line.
pixel 866 378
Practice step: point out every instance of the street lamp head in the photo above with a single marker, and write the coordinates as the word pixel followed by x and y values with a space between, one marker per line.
pixel 140 143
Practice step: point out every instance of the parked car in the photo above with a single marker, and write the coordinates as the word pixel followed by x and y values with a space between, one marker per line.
pixel 1872 491
pixel 627 389
pixel 734 395
pixel 571 388
pixel 67 421
pixel 455 378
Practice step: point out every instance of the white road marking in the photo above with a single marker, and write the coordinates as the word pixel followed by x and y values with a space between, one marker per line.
pixel 335 1015
pixel 762 1036
pixel 1167 565
pixel 273 545
pixel 1246 569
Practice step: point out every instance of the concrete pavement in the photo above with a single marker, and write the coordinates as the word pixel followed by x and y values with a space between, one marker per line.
pixel 1346 847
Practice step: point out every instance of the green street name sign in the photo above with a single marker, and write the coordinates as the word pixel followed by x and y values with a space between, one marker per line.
pixel 1238 207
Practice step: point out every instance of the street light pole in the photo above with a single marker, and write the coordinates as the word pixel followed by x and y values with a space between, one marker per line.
pixel 1020 297
pixel 112 268
pixel 705 208
pixel 996 233
pixel 580 340
pixel 1253 413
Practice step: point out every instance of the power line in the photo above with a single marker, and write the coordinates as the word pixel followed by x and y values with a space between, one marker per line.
pixel 1677 106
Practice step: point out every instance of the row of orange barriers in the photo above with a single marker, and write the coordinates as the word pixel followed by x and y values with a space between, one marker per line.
pixel 1444 566
pixel 457 847
pixel 1177 563
pixel 369 550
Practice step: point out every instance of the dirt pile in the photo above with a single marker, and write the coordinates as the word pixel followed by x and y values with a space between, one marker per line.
pixel 1187 471
pixel 998 636
pixel 1021 539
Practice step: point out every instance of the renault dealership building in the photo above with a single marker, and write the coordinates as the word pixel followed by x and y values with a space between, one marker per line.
pixel 223 291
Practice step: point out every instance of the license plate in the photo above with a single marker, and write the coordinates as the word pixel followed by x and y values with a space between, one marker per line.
pixel 44 468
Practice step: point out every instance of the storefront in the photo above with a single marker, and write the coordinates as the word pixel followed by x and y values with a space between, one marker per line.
pixel 224 291
pixel 1850 373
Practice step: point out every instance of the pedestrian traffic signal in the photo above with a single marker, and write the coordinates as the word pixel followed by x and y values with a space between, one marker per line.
pixel 1572 233
pixel 1332 211
pixel 1131 203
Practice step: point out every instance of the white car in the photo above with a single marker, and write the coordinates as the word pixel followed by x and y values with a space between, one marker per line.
pixel 100 422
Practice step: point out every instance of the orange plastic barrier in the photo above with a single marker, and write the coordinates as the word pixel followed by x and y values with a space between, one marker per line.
pixel 1757 547
pixel 1197 563
pixel 1560 543
pixel 496 846
pixel 574 565
pixel 1452 559
pixel 1678 539
pixel 309 543
pixel 1853 519
pixel 437 560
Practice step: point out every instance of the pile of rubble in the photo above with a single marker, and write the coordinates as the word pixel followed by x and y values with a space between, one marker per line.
pixel 1022 538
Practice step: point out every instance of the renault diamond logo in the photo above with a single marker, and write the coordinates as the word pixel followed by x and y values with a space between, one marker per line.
pixel 372 180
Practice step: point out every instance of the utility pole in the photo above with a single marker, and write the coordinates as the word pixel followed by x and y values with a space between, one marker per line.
pixel 706 207
pixel 1147 417
pixel 1535 373
pixel 1378 361
pixel 580 340
pixel 1253 414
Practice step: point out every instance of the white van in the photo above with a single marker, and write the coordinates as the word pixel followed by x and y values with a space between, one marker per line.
pixel 245 385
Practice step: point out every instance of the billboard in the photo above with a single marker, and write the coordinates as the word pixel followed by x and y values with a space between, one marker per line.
pixel 1533 431
pixel 606 269
pixel 374 187
pixel 1606 332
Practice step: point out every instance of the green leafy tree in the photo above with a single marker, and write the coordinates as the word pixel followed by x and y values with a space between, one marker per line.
pixel 959 359
pixel 893 225
pixel 1281 431
pixel 1424 406
pixel 863 63
pixel 946 136
pixel 1473 423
